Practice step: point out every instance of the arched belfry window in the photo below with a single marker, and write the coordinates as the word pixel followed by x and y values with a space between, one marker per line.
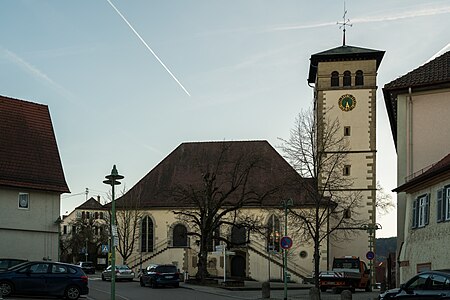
pixel 347 78
pixel 147 234
pixel 359 78
pixel 238 235
pixel 335 78
pixel 273 233
pixel 179 236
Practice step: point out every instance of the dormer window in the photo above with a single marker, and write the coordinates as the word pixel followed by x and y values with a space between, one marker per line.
pixel 335 78
pixel 347 78
pixel 359 78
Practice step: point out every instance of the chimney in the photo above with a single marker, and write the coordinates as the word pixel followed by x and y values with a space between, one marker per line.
pixel 98 199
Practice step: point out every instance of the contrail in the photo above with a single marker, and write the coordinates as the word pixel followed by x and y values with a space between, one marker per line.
pixel 148 47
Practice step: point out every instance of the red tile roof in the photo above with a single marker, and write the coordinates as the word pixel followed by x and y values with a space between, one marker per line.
pixel 29 156
pixel 91 203
pixel 185 164
pixel 441 169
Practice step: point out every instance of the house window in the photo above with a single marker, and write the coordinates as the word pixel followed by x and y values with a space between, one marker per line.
pixel 359 78
pixel 24 201
pixel 83 215
pixel 65 229
pixel 335 78
pixel 421 211
pixel 446 202
pixel 96 215
pixel 87 215
pixel 347 170
pixel 347 131
pixel 101 215
pixel 147 235
pixel 179 234
pixel 74 229
pixel 440 206
pixel 347 78
pixel 273 234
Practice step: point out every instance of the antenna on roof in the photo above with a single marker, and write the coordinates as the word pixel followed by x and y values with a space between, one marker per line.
pixel 345 22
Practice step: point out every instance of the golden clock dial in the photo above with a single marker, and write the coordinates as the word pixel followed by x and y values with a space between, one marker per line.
pixel 347 102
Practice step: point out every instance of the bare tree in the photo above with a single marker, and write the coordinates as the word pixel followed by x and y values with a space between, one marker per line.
pixel 215 200
pixel 318 151
pixel 128 216
pixel 87 236
pixel 384 202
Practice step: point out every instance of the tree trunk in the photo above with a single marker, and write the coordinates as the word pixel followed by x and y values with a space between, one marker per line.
pixel 202 264
pixel 316 262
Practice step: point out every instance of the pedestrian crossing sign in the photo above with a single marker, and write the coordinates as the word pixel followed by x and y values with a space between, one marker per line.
pixel 105 249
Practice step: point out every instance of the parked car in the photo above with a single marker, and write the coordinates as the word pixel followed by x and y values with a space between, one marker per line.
pixel 6 263
pixel 425 285
pixel 123 272
pixel 161 275
pixel 87 266
pixel 44 278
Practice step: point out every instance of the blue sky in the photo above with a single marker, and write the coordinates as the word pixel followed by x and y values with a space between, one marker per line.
pixel 244 64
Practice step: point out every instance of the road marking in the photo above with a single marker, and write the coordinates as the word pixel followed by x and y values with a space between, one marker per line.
pixel 109 293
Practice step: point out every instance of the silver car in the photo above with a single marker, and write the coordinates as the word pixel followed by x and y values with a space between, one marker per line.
pixel 123 272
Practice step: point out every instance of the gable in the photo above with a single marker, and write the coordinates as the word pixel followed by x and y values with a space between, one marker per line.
pixel 29 156
pixel 184 166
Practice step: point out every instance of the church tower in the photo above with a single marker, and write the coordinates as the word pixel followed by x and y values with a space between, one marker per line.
pixel 345 86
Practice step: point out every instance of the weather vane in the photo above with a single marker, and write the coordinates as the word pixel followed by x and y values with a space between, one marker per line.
pixel 345 22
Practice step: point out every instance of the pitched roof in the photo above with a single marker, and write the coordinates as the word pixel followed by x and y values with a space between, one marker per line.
pixel 29 156
pixel 91 203
pixel 439 170
pixel 184 166
pixel 342 53
pixel 433 75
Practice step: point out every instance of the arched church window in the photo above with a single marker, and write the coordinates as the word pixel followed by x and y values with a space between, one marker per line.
pixel 273 233
pixel 147 234
pixel 335 78
pixel 347 78
pixel 359 78
pixel 238 235
pixel 214 240
pixel 179 236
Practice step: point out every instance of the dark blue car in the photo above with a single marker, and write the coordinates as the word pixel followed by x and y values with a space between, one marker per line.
pixel 161 275
pixel 44 278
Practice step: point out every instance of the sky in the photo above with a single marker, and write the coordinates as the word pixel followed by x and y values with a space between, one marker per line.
pixel 127 81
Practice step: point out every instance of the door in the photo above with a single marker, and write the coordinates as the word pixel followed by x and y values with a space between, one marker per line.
pixel 238 266
pixel 32 279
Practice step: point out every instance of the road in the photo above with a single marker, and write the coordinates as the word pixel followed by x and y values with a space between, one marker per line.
pixel 101 290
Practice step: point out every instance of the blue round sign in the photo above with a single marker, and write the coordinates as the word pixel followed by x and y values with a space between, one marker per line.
pixel 286 242
pixel 370 255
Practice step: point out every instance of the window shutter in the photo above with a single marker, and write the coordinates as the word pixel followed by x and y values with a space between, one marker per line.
pixel 446 200
pixel 415 214
pixel 440 205
pixel 427 209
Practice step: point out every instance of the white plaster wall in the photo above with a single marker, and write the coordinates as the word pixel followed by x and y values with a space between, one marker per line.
pixel 29 233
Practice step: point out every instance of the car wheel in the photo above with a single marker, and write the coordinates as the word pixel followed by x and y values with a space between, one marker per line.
pixel 154 285
pixel 73 292
pixel 176 285
pixel 141 282
pixel 103 277
pixel 6 288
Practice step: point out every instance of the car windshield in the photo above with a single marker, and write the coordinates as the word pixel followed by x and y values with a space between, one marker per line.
pixel 122 267
pixel 17 266
pixel 166 269
pixel 346 263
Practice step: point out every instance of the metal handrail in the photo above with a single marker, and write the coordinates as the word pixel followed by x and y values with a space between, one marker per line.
pixel 157 247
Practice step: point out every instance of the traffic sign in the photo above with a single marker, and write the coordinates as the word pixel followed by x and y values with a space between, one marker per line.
pixel 370 255
pixel 105 249
pixel 286 242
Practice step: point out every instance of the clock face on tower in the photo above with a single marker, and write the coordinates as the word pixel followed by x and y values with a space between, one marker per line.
pixel 347 102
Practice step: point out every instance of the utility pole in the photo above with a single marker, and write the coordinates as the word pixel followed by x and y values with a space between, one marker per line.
pixel 286 204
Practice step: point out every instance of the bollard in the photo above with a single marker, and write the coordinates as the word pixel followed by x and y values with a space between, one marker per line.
pixel 314 293
pixel 346 295
pixel 265 290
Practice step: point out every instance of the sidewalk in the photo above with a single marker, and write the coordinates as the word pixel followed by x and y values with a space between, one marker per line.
pixel 250 290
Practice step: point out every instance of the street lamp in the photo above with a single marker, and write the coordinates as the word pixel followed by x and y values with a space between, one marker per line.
pixel 112 180
pixel 286 204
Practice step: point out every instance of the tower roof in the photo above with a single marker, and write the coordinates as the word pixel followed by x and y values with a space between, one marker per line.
pixel 342 53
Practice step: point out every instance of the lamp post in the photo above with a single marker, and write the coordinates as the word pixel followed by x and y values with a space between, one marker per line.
pixel 286 204
pixel 112 180
pixel 371 228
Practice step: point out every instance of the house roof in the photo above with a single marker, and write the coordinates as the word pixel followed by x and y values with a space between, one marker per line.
pixel 438 171
pixel 29 156
pixel 342 53
pixel 184 166
pixel 433 75
pixel 91 203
